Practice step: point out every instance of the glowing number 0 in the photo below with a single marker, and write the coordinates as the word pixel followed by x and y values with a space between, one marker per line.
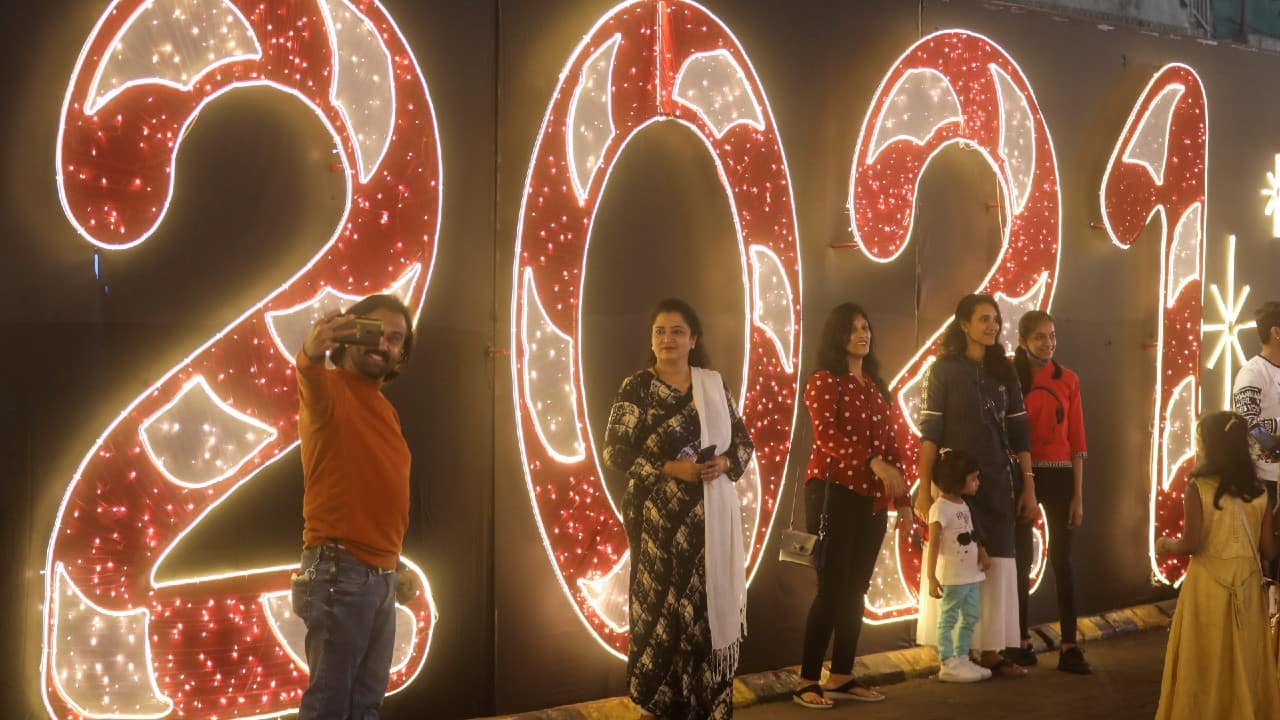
pixel 953 87
pixel 1159 167
pixel 118 641
pixel 644 62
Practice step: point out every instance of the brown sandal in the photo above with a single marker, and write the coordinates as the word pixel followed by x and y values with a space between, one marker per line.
pixel 1006 668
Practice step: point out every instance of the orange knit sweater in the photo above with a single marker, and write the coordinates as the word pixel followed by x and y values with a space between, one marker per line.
pixel 355 465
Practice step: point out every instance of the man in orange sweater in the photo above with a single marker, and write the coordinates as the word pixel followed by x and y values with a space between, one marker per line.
pixel 355 507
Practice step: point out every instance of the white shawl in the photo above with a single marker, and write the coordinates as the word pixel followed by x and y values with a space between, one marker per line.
pixel 725 557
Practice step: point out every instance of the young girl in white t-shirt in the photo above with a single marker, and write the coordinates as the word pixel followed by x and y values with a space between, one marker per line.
pixel 955 565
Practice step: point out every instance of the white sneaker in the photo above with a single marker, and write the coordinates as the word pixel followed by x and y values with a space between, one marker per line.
pixel 957 670
pixel 983 673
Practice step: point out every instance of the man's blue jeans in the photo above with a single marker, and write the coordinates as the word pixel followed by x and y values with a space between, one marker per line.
pixel 349 610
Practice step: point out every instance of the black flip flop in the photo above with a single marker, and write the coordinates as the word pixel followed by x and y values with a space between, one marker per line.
pixel 797 697
pixel 845 692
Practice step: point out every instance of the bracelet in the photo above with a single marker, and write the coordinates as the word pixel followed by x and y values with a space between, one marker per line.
pixel 1028 474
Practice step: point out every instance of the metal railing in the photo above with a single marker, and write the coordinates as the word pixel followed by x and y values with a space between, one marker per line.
pixel 1201 12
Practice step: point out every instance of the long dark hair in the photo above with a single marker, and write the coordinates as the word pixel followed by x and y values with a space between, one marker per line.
pixel 381 302
pixel 1224 444
pixel 954 342
pixel 698 355
pixel 833 346
pixel 1021 361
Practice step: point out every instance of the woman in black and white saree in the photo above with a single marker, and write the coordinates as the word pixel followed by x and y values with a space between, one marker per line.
pixel 676 433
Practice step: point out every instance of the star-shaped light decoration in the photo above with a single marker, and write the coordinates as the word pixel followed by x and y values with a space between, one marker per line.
pixel 1272 194
pixel 1230 326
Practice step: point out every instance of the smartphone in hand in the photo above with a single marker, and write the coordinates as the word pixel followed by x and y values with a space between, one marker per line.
pixel 1265 440
pixel 705 455
pixel 360 331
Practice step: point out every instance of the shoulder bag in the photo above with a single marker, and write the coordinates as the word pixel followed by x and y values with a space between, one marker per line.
pixel 805 548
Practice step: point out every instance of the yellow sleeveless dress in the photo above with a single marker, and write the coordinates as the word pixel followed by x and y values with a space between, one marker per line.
pixel 1219 663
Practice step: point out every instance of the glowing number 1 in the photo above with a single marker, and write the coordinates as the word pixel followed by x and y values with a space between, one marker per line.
pixel 118 641
pixel 1159 167
pixel 644 62
pixel 952 87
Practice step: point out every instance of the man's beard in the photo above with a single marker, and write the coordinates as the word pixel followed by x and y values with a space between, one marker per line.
pixel 373 373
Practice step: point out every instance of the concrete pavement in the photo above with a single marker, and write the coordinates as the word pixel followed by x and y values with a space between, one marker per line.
pixel 1117 687
pixel 1125 686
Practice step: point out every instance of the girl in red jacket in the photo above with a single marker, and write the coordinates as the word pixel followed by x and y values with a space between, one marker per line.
pixel 1052 395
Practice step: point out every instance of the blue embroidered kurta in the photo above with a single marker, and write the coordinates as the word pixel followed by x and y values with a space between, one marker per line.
pixel 965 408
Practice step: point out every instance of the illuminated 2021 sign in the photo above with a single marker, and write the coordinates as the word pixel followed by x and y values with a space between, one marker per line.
pixel 952 87
pixel 118 641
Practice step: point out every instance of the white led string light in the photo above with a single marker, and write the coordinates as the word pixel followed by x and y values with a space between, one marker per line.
pixel 590 121
pixel 1229 309
pixel 770 282
pixel 1272 193
pixel 918 86
pixel 146 698
pixel 177 59
pixel 714 86
pixel 362 89
pixel 1017 137
pixel 229 438
pixel 548 381
pixel 1149 147
pixel 1184 253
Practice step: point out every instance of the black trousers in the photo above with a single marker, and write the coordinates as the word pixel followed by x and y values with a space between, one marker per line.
pixel 1054 489
pixel 854 535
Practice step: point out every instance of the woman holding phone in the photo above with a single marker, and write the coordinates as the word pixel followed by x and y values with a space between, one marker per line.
pixel 675 432
pixel 972 402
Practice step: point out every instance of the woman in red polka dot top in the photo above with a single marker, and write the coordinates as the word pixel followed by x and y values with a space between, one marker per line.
pixel 853 445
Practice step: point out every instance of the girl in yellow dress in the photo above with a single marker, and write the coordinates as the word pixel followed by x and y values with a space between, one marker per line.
pixel 1219 662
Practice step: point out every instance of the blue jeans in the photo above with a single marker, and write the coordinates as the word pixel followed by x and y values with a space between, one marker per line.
pixel 958 612
pixel 349 610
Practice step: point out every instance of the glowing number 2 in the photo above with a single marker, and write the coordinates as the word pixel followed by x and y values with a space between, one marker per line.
pixel 952 87
pixel 1159 167
pixel 118 643
pixel 644 62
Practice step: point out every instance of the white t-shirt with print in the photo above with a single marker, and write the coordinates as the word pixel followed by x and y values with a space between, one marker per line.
pixel 958 553
pixel 1256 395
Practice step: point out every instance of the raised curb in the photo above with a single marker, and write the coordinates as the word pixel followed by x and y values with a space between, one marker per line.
pixel 885 668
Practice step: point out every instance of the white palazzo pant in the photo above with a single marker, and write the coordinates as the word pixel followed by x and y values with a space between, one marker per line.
pixel 997 628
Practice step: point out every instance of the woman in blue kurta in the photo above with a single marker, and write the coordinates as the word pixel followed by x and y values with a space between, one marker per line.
pixel 972 402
